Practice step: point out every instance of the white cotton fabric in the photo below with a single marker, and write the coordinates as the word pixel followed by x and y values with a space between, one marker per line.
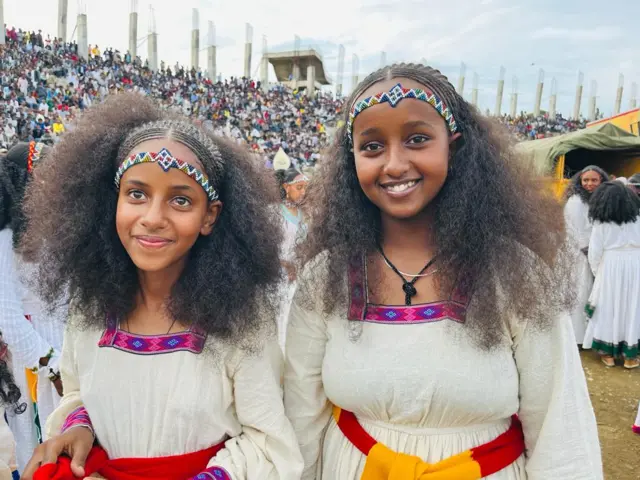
pixel 576 214
pixel 28 341
pixel 614 256
pixel 180 402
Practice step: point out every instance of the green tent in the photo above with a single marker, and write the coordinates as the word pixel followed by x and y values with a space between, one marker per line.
pixel 599 145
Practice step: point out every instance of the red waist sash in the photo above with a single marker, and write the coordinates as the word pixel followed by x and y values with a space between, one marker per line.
pixel 384 464
pixel 179 467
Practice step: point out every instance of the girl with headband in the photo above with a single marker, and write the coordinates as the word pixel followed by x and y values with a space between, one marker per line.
pixel 579 226
pixel 293 185
pixel 33 334
pixel 428 337
pixel 170 363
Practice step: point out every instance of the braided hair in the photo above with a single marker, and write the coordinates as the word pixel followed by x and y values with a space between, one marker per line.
pixel 493 227
pixel 9 391
pixel 230 281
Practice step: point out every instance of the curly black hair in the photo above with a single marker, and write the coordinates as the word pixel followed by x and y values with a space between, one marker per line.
pixel 575 184
pixel 14 178
pixel 614 202
pixel 229 285
pixel 9 392
pixel 494 227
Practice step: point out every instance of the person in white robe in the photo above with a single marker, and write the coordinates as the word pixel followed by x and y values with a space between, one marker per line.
pixel 614 257
pixel 293 185
pixel 32 332
pixel 576 214
pixel 9 399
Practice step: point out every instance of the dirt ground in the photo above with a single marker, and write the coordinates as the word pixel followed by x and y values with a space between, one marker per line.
pixel 615 393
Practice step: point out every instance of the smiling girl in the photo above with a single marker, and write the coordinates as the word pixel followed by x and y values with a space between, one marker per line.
pixel 170 359
pixel 428 338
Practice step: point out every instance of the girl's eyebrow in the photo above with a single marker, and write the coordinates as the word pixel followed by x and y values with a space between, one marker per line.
pixel 140 183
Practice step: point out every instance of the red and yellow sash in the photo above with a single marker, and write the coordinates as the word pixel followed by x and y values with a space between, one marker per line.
pixel 384 464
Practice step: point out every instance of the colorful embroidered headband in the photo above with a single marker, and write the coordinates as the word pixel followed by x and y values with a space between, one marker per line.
pixel 298 179
pixel 394 96
pixel 167 161
pixel 35 152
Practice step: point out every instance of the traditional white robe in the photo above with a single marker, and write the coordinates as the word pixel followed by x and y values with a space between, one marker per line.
pixel 417 384
pixel 7 449
pixel 576 214
pixel 155 396
pixel 614 256
pixel 28 340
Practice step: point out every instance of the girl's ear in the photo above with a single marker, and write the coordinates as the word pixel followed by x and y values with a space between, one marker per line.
pixel 213 212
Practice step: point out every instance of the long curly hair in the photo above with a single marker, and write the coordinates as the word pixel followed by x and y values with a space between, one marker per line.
pixel 14 178
pixel 614 202
pixel 575 184
pixel 229 284
pixel 495 229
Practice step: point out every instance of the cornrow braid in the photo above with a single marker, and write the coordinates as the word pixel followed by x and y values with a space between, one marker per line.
pixel 183 132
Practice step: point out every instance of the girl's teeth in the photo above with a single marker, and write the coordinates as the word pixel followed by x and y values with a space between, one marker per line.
pixel 402 187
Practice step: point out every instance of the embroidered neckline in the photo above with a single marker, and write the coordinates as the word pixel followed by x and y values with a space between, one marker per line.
pixel 289 217
pixel 192 340
pixel 360 309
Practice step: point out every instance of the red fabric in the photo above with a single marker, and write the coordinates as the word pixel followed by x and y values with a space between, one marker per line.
pixel 504 450
pixel 348 424
pixel 179 467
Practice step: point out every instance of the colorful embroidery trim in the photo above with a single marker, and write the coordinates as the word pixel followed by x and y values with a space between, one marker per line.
pixel 192 341
pixel 215 473
pixel 35 152
pixel 455 308
pixel 167 161
pixel 299 179
pixel 78 418
pixel 394 96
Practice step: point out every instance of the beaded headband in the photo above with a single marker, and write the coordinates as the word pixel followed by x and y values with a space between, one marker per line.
pixel 298 179
pixel 167 161
pixel 35 152
pixel 394 96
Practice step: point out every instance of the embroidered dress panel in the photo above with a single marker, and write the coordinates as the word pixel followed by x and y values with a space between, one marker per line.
pixel 192 340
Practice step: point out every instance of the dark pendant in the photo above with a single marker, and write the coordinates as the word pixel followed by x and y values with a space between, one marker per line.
pixel 409 292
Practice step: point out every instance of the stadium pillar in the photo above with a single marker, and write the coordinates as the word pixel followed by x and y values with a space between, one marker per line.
pixel 152 43
pixel 133 34
pixel 2 22
pixel 63 7
pixel 248 48
pixel 311 80
pixel 83 38
pixel 195 39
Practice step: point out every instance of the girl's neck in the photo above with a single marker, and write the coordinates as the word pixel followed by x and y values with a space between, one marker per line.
pixel 409 237
pixel 292 207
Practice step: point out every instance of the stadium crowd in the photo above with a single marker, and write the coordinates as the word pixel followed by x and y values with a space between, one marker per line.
pixel 45 85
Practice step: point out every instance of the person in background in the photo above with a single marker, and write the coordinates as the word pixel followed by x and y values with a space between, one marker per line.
pixel 293 185
pixel 634 183
pixel 32 332
pixel 614 256
pixel 576 214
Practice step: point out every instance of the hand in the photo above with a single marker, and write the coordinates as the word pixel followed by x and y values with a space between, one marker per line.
pixel 76 443
pixel 58 384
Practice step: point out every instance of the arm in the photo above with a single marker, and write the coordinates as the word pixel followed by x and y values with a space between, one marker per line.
pixel 267 448
pixel 596 247
pixel 557 417
pixel 70 411
pixel 26 345
pixel 306 404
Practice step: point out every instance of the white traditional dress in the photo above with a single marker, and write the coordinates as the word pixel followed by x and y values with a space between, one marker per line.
pixel 171 395
pixel 418 385
pixel 576 214
pixel 614 256
pixel 31 333
pixel 293 230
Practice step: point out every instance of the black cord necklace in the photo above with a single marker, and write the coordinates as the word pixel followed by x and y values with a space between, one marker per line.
pixel 408 286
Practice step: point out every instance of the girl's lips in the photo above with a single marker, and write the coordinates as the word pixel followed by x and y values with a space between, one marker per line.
pixel 152 242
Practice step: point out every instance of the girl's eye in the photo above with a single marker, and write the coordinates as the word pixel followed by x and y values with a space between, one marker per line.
pixel 371 147
pixel 182 201
pixel 136 195
pixel 418 139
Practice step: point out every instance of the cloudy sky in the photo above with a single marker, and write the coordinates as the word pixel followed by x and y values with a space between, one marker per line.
pixel 560 37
